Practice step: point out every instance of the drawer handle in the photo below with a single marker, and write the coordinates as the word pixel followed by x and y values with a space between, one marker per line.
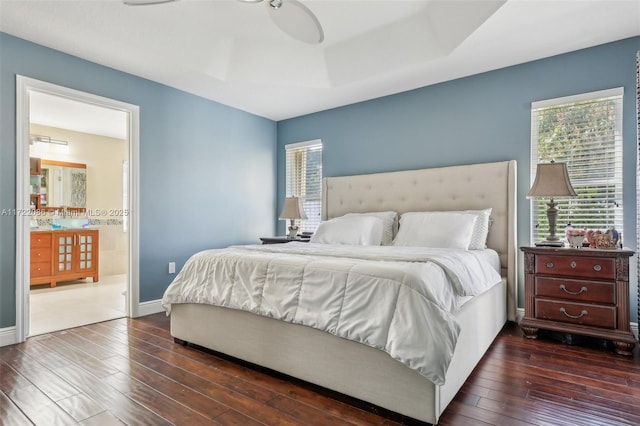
pixel 582 314
pixel 549 265
pixel 573 265
pixel 597 268
pixel 573 293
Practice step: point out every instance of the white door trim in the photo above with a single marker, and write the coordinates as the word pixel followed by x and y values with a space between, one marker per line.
pixel 23 86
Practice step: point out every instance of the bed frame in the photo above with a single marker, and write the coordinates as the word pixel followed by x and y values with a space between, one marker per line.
pixel 355 369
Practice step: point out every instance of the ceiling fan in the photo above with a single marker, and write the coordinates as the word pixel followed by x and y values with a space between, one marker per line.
pixel 291 16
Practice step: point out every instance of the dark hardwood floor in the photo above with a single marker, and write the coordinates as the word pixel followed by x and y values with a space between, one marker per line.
pixel 129 371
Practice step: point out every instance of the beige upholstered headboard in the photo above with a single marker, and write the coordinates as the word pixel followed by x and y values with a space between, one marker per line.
pixel 476 186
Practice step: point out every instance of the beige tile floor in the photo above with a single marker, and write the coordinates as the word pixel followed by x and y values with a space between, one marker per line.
pixel 75 303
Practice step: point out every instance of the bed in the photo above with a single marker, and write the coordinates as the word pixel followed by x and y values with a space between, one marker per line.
pixel 360 370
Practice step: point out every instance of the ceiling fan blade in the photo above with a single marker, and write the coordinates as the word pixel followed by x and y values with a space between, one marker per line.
pixel 145 2
pixel 296 20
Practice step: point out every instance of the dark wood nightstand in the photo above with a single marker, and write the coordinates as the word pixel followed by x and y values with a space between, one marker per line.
pixel 578 291
pixel 282 240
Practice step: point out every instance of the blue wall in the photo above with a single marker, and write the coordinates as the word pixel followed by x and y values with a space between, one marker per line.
pixel 207 171
pixel 481 118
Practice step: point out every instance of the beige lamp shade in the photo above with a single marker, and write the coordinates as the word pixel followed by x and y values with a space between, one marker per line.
pixel 292 209
pixel 552 181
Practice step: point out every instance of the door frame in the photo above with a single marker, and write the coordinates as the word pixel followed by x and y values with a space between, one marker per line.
pixel 24 85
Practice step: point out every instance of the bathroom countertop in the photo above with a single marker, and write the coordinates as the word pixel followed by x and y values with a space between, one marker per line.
pixel 49 229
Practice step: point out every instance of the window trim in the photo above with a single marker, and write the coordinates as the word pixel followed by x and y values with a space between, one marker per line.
pixel 616 91
pixel 302 144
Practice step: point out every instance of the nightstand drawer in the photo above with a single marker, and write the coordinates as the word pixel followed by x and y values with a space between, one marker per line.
pixel 587 267
pixel 576 313
pixel 576 290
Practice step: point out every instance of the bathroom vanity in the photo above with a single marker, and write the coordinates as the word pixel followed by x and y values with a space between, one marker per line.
pixel 62 255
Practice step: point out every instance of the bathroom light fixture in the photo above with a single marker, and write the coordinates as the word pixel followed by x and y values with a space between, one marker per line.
pixel 47 139
pixel 552 181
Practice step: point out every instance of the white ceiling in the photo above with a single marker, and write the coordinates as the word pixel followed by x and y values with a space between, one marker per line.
pixel 63 113
pixel 231 52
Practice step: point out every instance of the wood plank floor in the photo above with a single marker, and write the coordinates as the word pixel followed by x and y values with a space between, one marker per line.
pixel 129 371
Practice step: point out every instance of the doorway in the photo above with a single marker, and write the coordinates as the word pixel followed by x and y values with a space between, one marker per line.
pixel 111 212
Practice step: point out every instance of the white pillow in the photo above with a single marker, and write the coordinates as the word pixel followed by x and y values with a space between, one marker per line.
pixel 389 224
pixel 436 229
pixel 480 229
pixel 357 230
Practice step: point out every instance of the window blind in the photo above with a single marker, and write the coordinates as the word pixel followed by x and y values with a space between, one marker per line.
pixel 304 179
pixel 584 131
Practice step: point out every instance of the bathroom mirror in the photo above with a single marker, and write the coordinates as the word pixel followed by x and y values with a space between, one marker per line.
pixel 62 184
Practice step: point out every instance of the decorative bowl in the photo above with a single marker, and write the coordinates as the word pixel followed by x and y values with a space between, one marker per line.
pixel 576 241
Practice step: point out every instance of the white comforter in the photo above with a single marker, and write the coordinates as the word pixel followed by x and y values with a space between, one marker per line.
pixel 397 299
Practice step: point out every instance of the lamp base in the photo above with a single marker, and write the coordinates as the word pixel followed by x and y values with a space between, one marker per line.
pixel 293 232
pixel 545 243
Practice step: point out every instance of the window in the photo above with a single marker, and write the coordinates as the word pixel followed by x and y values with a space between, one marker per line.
pixel 304 179
pixel 584 131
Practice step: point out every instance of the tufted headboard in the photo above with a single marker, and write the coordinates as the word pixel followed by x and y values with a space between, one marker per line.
pixel 476 186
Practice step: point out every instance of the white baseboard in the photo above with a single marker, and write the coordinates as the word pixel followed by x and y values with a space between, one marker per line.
pixel 150 307
pixel 8 336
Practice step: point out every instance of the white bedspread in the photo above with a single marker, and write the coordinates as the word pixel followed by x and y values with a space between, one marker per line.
pixel 396 299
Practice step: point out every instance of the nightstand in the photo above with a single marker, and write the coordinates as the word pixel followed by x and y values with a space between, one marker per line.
pixel 578 291
pixel 282 240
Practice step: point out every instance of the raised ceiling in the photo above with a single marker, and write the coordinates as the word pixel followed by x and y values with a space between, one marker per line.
pixel 232 53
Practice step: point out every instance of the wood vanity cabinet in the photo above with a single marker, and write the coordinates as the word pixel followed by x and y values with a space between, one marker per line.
pixel 41 257
pixel 578 291
pixel 64 255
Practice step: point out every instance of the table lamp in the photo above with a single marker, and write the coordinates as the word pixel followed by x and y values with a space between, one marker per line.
pixel 292 210
pixel 552 181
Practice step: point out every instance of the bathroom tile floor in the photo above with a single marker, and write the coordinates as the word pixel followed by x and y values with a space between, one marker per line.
pixel 75 303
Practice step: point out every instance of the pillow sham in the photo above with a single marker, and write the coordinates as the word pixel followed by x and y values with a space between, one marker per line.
pixel 480 229
pixel 363 231
pixel 389 224
pixel 436 229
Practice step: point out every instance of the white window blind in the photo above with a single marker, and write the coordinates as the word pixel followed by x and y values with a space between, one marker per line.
pixel 584 131
pixel 304 179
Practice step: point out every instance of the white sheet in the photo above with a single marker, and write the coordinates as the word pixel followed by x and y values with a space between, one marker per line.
pixel 490 256
pixel 398 300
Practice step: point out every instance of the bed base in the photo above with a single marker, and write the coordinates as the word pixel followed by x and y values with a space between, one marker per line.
pixel 357 370
pixel 341 365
